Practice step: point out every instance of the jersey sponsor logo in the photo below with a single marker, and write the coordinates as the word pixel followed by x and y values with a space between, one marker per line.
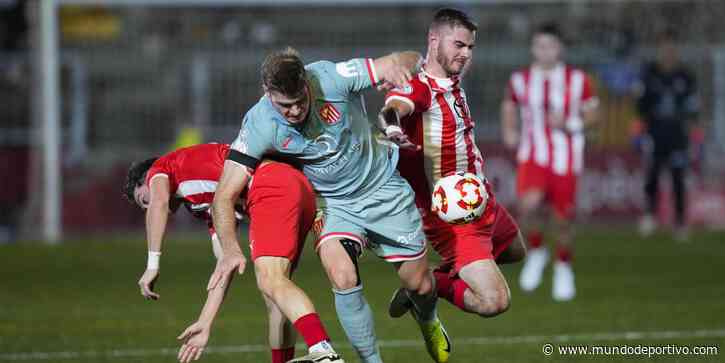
pixel 461 107
pixel 347 69
pixel 329 114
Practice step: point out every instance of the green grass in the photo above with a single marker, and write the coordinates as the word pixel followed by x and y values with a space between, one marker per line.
pixel 81 296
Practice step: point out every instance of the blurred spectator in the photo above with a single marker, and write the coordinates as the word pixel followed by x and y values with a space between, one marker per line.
pixel 668 104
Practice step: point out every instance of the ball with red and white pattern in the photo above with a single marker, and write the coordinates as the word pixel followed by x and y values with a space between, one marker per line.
pixel 459 198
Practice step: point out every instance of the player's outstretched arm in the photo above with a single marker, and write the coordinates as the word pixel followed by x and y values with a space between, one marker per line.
pixel 157 215
pixel 196 336
pixel 389 122
pixel 233 180
pixel 397 69
pixel 509 124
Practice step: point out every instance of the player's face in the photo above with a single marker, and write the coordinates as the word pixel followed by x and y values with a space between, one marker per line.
pixel 294 109
pixel 455 49
pixel 141 196
pixel 546 49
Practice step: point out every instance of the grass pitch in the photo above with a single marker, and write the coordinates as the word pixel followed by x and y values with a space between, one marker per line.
pixel 78 302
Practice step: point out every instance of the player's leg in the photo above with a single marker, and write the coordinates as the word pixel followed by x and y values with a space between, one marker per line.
pixel 281 335
pixel 282 210
pixel 678 167
pixel 563 203
pixel 394 223
pixel 648 222
pixel 339 259
pixel 531 189
pixel 471 280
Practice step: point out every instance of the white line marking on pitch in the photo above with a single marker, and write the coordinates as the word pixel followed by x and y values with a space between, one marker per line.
pixel 257 348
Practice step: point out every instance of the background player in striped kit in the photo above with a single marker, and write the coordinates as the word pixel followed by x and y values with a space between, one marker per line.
pixel 437 138
pixel 189 176
pixel 555 104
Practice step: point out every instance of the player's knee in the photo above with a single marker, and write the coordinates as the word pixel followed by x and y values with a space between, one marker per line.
pixel 493 302
pixel 343 276
pixel 420 283
pixel 268 282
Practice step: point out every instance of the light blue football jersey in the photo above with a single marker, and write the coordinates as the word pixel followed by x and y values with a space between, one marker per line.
pixel 339 151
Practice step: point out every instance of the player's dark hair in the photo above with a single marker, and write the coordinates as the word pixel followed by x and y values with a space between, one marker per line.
pixel 550 28
pixel 283 71
pixel 135 177
pixel 453 18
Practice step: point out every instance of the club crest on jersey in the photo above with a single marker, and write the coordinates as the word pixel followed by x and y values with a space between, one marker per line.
pixel 329 114
pixel 461 107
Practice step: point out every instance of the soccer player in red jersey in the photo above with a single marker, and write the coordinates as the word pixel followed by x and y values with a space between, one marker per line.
pixel 555 103
pixel 431 122
pixel 281 206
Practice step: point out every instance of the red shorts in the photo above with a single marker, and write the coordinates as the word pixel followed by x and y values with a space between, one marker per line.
pixel 483 239
pixel 559 190
pixel 281 207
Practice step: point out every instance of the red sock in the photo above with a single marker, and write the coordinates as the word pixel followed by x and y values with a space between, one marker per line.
pixel 459 288
pixel 282 355
pixel 564 253
pixel 450 289
pixel 536 239
pixel 310 327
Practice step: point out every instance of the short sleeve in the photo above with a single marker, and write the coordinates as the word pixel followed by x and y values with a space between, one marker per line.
pixel 161 168
pixel 350 76
pixel 253 139
pixel 416 95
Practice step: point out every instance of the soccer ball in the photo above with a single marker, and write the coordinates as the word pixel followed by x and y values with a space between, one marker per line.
pixel 459 198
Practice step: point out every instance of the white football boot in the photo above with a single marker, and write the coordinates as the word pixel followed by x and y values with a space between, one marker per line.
pixel 533 269
pixel 319 357
pixel 563 288
pixel 647 225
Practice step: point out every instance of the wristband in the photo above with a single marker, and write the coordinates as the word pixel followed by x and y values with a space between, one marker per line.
pixel 392 128
pixel 153 261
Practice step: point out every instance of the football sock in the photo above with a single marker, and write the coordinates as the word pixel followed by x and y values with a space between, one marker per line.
pixel 311 329
pixel 563 253
pixel 282 355
pixel 536 238
pixel 356 319
pixel 451 289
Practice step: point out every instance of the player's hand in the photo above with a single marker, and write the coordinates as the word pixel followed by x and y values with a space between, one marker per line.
pixel 385 86
pixel 146 283
pixel 402 141
pixel 231 261
pixel 397 75
pixel 195 338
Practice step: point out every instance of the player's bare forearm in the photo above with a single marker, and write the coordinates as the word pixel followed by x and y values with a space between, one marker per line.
pixel 214 300
pixel 233 180
pixel 509 123
pixel 398 68
pixel 590 116
pixel 157 214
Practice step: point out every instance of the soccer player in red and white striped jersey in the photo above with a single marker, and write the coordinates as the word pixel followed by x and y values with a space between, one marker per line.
pixel 555 103
pixel 281 208
pixel 431 122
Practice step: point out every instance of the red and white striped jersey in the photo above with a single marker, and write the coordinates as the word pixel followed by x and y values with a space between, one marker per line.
pixel 193 174
pixel 540 95
pixel 441 123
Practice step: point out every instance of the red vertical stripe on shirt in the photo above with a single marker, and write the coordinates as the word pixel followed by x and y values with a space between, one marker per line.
pixel 547 121
pixel 448 134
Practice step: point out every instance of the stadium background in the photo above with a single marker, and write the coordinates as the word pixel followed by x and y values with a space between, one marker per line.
pixel 138 78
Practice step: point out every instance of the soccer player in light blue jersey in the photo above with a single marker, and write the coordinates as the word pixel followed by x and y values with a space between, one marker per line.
pixel 314 116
